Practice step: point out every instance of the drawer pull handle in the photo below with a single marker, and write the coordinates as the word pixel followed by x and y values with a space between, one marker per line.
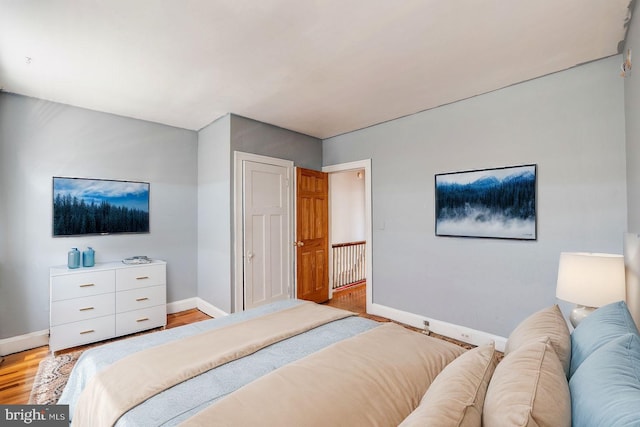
pixel 142 299
pixel 86 285
pixel 144 319
pixel 87 332
pixel 86 309
pixel 142 278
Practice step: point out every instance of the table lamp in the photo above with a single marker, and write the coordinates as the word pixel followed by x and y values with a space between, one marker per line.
pixel 590 280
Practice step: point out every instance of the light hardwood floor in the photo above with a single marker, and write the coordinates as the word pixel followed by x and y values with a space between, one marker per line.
pixel 17 371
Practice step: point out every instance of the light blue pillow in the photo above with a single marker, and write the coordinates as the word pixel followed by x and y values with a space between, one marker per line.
pixel 605 389
pixel 606 323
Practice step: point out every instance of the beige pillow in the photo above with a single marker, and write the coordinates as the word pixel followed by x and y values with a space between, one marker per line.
pixel 528 388
pixel 456 396
pixel 548 322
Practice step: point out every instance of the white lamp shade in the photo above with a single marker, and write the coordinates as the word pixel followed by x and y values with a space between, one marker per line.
pixel 591 279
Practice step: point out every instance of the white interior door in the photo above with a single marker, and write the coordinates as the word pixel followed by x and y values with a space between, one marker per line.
pixel 267 240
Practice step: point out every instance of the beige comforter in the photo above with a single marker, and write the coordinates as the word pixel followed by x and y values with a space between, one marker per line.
pixel 132 380
pixel 373 379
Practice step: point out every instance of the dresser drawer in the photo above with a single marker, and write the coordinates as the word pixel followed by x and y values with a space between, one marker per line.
pixel 77 309
pixel 82 284
pixel 140 276
pixel 136 299
pixel 78 333
pixel 139 320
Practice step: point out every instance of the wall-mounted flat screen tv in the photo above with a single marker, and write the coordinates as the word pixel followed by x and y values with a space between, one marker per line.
pixel 99 206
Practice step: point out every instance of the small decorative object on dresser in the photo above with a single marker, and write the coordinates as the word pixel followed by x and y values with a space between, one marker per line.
pixel 106 301
pixel 73 258
pixel 88 257
pixel 140 259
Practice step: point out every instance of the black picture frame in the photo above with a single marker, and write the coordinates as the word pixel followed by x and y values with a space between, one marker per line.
pixel 497 203
pixel 88 206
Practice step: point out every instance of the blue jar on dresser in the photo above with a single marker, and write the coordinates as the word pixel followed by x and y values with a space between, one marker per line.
pixel 88 257
pixel 73 258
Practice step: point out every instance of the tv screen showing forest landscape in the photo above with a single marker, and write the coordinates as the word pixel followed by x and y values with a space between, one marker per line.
pixel 99 206
pixel 496 203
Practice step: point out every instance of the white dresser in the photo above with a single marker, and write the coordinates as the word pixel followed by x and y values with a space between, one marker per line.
pixel 108 300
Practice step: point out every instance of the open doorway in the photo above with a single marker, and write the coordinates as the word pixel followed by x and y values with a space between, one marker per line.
pixel 347 240
pixel 350 234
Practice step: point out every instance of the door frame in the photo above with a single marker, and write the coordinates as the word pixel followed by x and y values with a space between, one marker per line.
pixel 368 209
pixel 238 212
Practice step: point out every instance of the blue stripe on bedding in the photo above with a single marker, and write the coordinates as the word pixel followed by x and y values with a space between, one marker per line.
pixel 184 400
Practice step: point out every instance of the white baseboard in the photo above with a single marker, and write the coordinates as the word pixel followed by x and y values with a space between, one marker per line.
pixel 450 330
pixel 24 342
pixel 195 302
pixel 210 309
pixel 182 305
pixel 38 339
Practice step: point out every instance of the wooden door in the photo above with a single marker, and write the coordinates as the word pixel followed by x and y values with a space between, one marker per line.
pixel 266 233
pixel 312 235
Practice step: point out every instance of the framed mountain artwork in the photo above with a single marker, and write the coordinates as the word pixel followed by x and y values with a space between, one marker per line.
pixel 495 203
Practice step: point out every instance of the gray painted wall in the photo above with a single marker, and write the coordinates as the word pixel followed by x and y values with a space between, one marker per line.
pixel 571 124
pixel 632 123
pixel 214 214
pixel 39 140
pixel 216 145
pixel 251 136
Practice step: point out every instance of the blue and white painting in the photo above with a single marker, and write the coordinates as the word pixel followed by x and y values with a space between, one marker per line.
pixel 99 206
pixel 497 203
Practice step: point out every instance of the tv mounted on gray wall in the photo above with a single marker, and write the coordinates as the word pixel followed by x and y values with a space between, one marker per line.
pixel 99 206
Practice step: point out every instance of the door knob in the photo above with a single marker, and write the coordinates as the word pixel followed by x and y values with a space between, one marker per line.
pixel 250 256
pixel 298 244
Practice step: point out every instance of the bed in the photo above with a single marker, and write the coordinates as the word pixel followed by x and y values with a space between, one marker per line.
pixel 318 366
pixel 296 363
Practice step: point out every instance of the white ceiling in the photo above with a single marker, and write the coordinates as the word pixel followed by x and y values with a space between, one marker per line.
pixel 321 67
